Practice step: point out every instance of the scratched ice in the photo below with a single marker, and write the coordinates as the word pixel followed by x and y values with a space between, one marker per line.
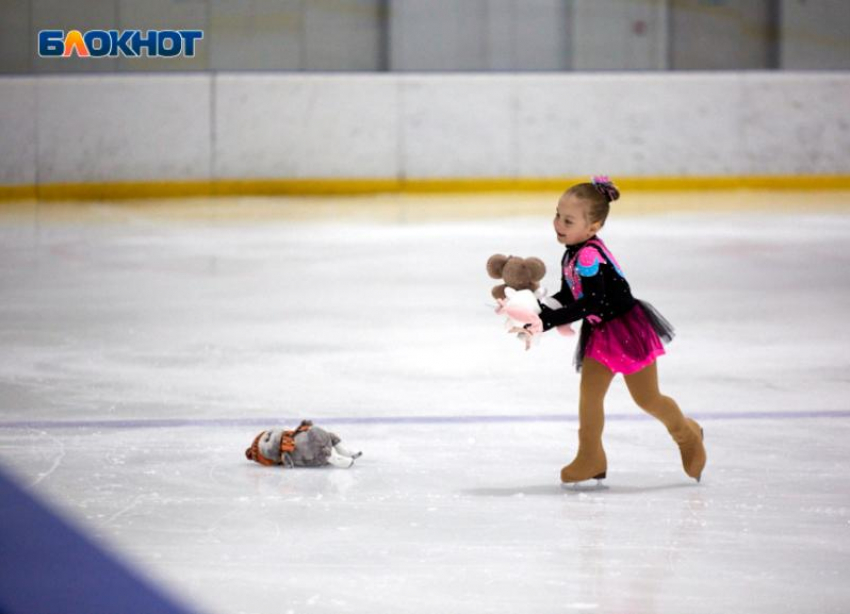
pixel 141 354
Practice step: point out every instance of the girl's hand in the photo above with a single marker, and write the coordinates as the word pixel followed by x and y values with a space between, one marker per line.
pixel 524 333
pixel 528 319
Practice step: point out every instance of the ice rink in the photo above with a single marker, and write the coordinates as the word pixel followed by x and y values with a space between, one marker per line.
pixel 146 344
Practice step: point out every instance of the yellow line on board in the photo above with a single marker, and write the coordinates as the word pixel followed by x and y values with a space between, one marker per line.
pixel 350 186
pixel 17 192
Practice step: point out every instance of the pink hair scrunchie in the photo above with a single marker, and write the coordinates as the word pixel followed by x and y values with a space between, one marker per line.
pixel 605 186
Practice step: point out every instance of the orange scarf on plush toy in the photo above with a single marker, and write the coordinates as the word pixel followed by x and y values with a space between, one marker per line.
pixel 287 445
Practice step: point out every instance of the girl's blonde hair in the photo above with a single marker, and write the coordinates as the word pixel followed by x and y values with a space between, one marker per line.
pixel 599 193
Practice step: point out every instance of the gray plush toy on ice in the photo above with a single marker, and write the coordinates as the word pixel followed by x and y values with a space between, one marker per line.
pixel 306 446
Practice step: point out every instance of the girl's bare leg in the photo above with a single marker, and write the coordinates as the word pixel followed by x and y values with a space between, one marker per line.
pixel 590 461
pixel 643 387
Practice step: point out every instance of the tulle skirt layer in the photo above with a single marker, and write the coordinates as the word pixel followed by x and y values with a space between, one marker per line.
pixel 628 343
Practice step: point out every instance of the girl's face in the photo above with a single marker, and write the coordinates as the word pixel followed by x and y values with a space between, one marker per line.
pixel 571 225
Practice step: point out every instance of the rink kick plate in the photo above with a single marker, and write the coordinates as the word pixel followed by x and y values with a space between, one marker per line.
pixel 46 565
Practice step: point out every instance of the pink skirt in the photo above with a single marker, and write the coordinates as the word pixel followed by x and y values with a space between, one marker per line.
pixel 629 342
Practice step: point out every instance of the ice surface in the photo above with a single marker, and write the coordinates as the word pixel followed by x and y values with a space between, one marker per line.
pixel 141 355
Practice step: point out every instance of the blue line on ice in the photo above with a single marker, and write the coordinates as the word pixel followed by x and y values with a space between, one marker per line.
pixel 449 419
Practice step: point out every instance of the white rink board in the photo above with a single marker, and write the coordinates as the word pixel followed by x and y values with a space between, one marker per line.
pixel 283 126
pixel 18 159
pixel 101 129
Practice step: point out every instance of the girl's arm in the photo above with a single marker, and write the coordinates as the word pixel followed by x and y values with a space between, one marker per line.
pixel 589 304
pixel 564 296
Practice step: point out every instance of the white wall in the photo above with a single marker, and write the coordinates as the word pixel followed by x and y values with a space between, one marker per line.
pixel 196 127
pixel 815 35
pixel 722 35
pixel 479 35
pixel 445 35
pixel 620 35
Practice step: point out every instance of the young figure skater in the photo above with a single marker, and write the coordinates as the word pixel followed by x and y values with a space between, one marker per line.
pixel 619 334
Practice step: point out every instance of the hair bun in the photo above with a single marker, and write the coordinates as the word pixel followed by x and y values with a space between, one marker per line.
pixel 606 187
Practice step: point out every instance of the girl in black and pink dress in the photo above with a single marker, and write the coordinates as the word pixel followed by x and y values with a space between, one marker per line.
pixel 619 334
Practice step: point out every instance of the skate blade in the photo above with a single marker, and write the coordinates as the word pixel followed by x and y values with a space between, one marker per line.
pixel 591 485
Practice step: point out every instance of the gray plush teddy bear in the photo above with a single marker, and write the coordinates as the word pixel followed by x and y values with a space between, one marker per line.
pixel 306 446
